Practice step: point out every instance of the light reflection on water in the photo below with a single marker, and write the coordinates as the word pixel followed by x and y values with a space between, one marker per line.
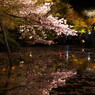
pixel 67 53
pixel 30 54
pixel 83 53
pixel 78 55
pixel 88 56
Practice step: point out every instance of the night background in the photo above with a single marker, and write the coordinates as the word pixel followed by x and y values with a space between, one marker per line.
pixel 83 4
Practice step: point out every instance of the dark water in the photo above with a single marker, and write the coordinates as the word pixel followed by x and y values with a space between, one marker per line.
pixel 49 70
pixel 83 60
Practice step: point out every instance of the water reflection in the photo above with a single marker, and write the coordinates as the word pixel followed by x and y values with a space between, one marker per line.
pixel 59 79
pixel 30 54
pixel 67 54
pixel 76 56
pixel 89 57
pixel 83 49
pixel 60 54
pixel 46 67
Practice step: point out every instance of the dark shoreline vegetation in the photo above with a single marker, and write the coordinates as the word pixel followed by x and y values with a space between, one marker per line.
pixel 16 44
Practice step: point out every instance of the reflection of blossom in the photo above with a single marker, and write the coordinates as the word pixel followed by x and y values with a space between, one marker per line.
pixel 59 79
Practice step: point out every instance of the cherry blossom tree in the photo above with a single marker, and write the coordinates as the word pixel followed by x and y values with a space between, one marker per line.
pixel 46 22
pixel 36 16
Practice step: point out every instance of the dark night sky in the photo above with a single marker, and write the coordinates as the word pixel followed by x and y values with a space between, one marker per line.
pixel 84 7
pixel 83 4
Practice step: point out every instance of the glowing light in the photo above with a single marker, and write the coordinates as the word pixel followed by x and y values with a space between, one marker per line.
pixel 21 30
pixel 83 41
pixel 4 69
pixel 89 58
pixel 13 68
pixel 30 54
pixel 21 62
pixel 30 37
pixel 89 32
pixel 83 50
pixel 67 54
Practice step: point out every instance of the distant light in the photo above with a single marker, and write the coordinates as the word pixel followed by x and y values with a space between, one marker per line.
pixel 67 54
pixel 89 32
pixel 13 68
pixel 83 41
pixel 83 50
pixel 4 69
pixel 21 62
pixel 30 54
pixel 75 31
pixel 30 37
pixel 88 58
pixel 21 30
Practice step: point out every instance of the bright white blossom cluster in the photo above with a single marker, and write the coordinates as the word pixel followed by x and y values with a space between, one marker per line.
pixel 60 26
pixel 42 9
pixel 39 10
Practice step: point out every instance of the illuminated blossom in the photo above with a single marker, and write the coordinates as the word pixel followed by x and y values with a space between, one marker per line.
pixel 60 26
pixel 37 16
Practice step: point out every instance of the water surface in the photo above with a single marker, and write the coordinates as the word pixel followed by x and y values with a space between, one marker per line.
pixel 39 69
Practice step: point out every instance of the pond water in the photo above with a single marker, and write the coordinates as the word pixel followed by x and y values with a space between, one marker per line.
pixel 48 70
